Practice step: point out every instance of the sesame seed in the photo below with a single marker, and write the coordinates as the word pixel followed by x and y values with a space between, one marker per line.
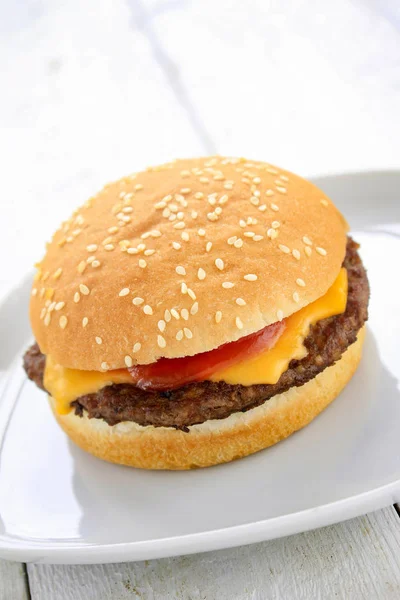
pixel 199 195
pixel 324 202
pixel 179 335
pixel 104 366
pixel 284 249
pixel 242 223
pixel 204 179
pixel 228 186
pixel 191 294
pixel 179 225
pixel 112 229
pixel 185 190
pixel 84 289
pixel 137 300
pixel 185 174
pixel 219 263
pixel 201 274
pixel 240 302
pixel 258 238
pixel 185 314
pixel 256 192
pixel 307 241
pixel 239 323
pixel 107 240
pixel 223 199
pixel 149 252
pixel 128 360
pixel 98 340
pixel 188 333
pixel 141 247
pixel 147 309
pixel 167 315
pixel 218 210
pixel 284 178
pixel 254 200
pixel 211 216
pixel 281 190
pixel 269 193
pixel 175 314
pixel 155 233
pixel 91 248
pixel 185 236
pixel 296 297
pixel 142 263
pixel 227 285
pixel 233 239
pixel 161 341
pixel 300 282
pixel 238 243
pixel 180 270
pixel 208 246
pixel 321 251
pixel 81 266
pixel 279 314
pixel 308 251
pixel 124 292
pixel 274 207
pixel 201 232
pixel 132 251
pixel 42 313
pixel 176 245
pixel 194 214
pixel 218 316
pixel 275 224
pixel 161 325
pixel 57 273
pixel 160 205
pixel 262 208
pixel 250 277
pixel 47 319
pixel 194 309
pixel 59 305
pixel 108 247
pixel 136 347
pixel 34 291
pixel 166 213
pixel 296 254
pixel 272 233
pixel 138 186
pixel 256 180
pixel 85 321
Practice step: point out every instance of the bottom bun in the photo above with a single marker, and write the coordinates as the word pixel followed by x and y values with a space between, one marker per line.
pixel 215 441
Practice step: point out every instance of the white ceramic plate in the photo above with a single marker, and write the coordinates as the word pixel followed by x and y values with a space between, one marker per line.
pixel 60 505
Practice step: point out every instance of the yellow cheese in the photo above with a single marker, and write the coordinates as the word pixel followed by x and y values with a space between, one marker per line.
pixel 269 366
pixel 65 385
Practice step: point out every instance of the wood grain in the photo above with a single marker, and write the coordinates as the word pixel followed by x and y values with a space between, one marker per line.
pixel 13 581
pixel 354 560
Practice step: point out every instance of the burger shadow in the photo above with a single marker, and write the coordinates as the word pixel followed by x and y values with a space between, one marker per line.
pixel 120 504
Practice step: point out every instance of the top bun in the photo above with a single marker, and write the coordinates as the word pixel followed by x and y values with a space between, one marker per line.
pixel 182 258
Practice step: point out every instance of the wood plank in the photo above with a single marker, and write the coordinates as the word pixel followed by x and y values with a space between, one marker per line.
pixel 356 559
pixel 13 581
pixel 294 83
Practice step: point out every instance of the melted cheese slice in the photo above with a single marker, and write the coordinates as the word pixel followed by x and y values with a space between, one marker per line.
pixel 268 366
pixel 65 385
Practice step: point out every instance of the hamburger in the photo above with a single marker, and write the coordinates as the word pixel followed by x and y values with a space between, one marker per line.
pixel 196 312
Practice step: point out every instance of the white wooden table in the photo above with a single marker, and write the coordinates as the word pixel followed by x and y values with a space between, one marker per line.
pixel 91 89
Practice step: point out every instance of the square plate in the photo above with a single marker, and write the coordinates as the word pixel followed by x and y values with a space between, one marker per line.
pixel 61 505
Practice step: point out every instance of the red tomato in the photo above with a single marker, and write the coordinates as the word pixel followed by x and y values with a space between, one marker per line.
pixel 170 373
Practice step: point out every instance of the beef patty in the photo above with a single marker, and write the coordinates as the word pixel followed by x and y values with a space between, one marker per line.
pixel 198 402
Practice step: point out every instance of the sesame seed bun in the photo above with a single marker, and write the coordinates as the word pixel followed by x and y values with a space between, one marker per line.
pixel 182 258
pixel 217 441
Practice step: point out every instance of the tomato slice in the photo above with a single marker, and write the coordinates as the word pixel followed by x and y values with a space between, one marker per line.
pixel 171 373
